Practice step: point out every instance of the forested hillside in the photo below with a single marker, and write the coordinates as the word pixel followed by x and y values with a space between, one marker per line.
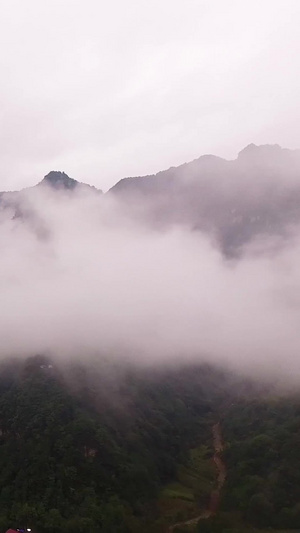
pixel 130 450
pixel 72 458
pixel 263 461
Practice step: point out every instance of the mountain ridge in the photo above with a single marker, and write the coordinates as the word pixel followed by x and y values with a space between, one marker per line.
pixel 232 201
pixel 60 180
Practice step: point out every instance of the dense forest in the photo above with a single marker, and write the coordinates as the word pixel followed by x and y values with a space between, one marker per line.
pixel 91 450
pixel 263 461
pixel 113 448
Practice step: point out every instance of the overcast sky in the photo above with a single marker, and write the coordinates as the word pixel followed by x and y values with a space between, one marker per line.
pixel 104 90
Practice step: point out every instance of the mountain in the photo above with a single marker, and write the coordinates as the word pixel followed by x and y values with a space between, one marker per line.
pixel 233 201
pixel 19 204
pixel 88 447
pixel 106 445
pixel 54 180
pixel 59 180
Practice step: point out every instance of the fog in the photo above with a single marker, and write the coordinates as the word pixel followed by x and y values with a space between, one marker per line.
pixel 80 278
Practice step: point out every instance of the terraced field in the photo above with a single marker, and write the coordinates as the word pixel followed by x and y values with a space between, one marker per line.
pixel 186 497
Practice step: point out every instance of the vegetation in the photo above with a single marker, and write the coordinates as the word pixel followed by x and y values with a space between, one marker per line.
pixel 110 449
pixel 94 454
pixel 263 461
pixel 184 498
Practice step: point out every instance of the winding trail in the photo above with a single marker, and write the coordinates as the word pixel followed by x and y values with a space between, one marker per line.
pixel 221 476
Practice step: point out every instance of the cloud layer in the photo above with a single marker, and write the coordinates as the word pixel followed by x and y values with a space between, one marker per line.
pixel 79 278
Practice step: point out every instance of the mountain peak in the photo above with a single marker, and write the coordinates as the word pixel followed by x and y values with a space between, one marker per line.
pixel 59 180
pixel 263 151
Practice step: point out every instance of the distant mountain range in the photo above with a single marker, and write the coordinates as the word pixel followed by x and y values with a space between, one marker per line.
pixel 254 195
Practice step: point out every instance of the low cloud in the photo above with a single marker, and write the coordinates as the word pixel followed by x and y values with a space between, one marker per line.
pixel 79 278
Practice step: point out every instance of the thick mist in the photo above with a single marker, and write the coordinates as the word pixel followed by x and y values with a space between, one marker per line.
pixel 80 278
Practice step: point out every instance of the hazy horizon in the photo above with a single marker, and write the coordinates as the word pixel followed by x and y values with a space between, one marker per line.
pixel 38 179
pixel 105 92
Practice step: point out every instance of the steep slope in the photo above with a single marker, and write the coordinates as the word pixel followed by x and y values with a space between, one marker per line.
pixel 235 201
pixel 55 180
pixel 93 455
pixel 89 447
pixel 22 204
pixel 59 180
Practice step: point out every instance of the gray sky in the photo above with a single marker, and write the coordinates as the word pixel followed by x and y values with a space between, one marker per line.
pixel 104 90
